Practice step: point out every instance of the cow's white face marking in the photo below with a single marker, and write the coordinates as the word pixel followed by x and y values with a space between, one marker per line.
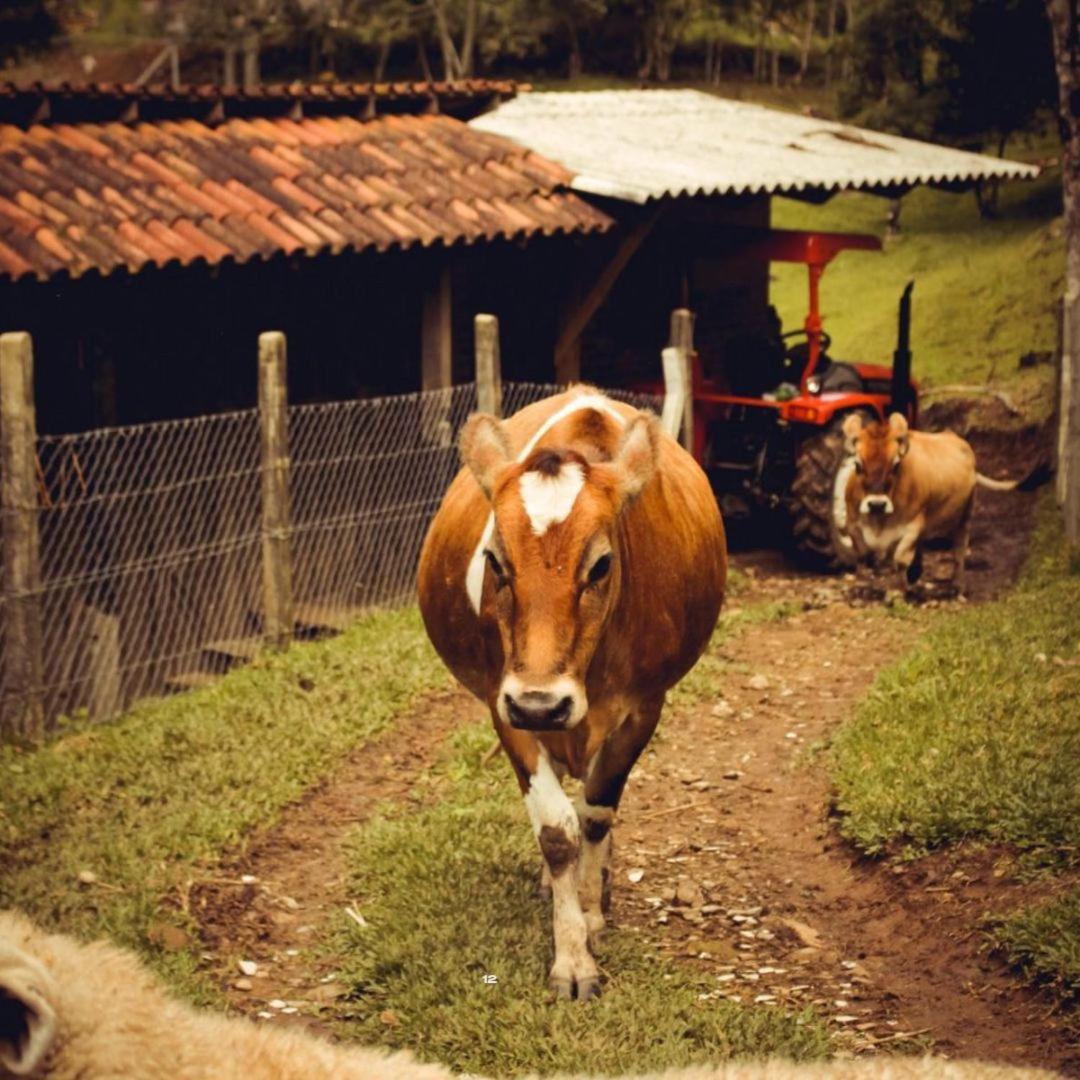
pixel 549 499
pixel 474 575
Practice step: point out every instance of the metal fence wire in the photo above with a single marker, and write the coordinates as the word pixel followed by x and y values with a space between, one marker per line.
pixel 151 536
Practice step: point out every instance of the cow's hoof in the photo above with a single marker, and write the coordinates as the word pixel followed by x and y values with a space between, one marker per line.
pixel 567 989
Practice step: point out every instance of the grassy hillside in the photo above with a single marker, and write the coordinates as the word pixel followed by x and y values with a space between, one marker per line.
pixel 984 290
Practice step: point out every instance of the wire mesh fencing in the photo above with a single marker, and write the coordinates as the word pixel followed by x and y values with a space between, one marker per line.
pixel 151 538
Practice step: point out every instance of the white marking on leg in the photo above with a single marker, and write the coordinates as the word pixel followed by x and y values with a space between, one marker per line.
pixel 474 576
pixel 549 807
pixel 549 499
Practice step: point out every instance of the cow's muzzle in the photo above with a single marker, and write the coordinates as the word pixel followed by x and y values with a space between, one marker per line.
pixel 536 710
pixel 876 506
pixel 555 706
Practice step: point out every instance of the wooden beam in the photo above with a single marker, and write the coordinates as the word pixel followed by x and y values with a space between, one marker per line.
pixel 436 340
pixel 578 319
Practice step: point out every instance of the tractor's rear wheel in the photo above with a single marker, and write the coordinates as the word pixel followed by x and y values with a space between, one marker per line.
pixel 817 506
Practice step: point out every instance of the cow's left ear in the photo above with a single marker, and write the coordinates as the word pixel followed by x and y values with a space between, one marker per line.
pixel 898 428
pixel 635 460
pixel 485 449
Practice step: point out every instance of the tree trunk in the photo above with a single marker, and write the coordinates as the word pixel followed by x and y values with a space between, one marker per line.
pixel 718 64
pixel 422 59
pixel 382 60
pixel 468 43
pixel 808 39
pixel 774 66
pixel 575 65
pixel 1066 35
pixel 451 61
pixel 849 29
pixel 830 36
pixel 707 75
pixel 251 62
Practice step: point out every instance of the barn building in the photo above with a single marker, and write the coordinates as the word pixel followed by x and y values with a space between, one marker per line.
pixel 148 235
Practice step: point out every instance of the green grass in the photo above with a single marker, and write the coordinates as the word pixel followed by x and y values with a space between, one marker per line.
pixel 143 801
pixel 975 735
pixel 984 290
pixel 1044 942
pixel 449 894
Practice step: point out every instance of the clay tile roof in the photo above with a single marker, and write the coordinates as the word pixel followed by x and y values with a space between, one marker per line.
pixel 113 177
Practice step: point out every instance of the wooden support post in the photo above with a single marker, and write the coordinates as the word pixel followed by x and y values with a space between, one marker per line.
pixel 682 338
pixel 488 365
pixel 277 557
pixel 567 348
pixel 22 717
pixel 436 341
pixel 436 357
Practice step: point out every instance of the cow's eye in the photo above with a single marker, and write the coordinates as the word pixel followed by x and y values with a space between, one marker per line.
pixel 496 568
pixel 896 463
pixel 599 569
pixel 859 466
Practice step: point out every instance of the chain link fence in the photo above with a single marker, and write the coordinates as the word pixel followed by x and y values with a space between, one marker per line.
pixel 151 537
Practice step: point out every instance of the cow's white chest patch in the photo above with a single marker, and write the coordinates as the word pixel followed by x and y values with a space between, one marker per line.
pixel 549 499
pixel 881 540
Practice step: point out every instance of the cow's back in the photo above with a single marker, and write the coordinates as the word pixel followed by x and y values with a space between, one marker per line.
pixel 939 478
pixel 674 561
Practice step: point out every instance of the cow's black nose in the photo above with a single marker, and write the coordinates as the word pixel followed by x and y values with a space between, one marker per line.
pixel 537 710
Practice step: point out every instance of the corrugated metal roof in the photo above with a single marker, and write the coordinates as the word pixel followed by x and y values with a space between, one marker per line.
pixel 644 144
pixel 110 196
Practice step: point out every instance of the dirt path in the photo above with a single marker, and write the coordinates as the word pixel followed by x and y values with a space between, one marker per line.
pixel 726 853
pixel 261 913
pixel 746 875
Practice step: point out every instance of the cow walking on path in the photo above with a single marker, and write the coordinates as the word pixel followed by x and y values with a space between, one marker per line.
pixel 906 487
pixel 573 574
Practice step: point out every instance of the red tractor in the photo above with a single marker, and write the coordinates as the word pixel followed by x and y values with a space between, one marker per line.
pixel 767 412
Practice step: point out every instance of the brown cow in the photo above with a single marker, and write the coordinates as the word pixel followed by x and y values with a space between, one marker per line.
pixel 910 486
pixel 573 574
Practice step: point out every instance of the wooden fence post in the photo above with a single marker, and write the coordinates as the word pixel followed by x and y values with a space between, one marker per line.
pixel 488 365
pixel 22 716
pixel 682 338
pixel 276 555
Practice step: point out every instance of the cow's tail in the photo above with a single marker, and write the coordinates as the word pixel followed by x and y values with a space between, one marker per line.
pixel 1034 479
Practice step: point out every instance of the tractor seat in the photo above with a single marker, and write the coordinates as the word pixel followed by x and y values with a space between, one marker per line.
pixel 838 377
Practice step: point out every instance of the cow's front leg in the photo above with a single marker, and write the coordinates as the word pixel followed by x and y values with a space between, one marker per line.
pixel 574 971
pixel 596 809
pixel 907 555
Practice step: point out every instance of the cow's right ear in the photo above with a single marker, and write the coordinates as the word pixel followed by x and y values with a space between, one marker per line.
pixel 27 1017
pixel 853 425
pixel 485 449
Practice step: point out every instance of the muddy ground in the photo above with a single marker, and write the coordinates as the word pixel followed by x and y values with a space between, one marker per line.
pixel 727 851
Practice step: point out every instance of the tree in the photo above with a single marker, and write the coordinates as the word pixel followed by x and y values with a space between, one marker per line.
pixel 963 71
pixel 1066 51
pixel 25 26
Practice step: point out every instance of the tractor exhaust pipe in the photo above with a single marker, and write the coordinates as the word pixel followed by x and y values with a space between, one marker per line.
pixel 901 371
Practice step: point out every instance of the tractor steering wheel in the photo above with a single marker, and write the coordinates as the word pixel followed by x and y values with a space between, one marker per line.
pixel 826 341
